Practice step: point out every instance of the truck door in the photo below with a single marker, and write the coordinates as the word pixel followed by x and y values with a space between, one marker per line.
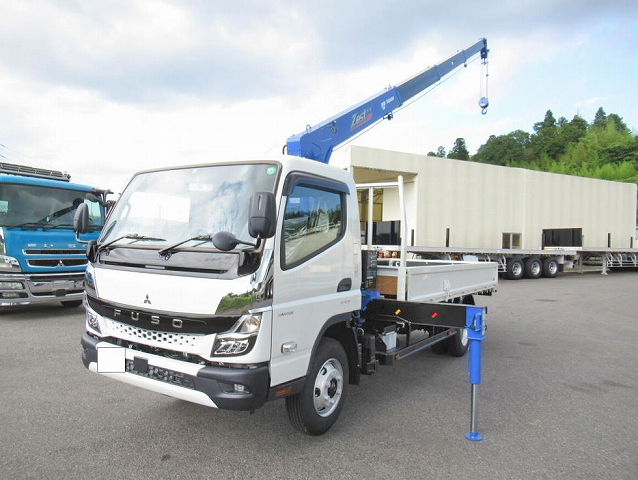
pixel 313 270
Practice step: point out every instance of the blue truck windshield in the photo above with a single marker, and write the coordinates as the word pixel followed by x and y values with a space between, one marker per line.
pixel 173 205
pixel 29 206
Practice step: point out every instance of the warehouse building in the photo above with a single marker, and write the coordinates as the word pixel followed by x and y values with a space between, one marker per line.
pixel 472 205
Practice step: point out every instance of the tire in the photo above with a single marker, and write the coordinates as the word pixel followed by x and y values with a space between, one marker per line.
pixel 550 267
pixel 458 344
pixel 533 267
pixel 316 408
pixel 72 303
pixel 515 269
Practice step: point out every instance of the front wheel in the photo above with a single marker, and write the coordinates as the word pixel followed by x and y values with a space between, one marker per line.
pixel 316 408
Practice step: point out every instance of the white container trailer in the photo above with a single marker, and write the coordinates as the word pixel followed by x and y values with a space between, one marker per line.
pixel 531 223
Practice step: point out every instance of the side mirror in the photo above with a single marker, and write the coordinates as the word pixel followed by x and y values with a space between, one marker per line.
pixel 81 219
pixel 225 241
pixel 262 220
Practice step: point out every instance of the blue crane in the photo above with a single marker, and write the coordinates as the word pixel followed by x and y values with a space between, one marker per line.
pixel 317 143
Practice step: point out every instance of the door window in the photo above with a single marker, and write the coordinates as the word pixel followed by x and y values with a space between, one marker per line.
pixel 313 221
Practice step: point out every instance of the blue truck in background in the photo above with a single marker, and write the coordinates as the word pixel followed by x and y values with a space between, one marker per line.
pixel 40 258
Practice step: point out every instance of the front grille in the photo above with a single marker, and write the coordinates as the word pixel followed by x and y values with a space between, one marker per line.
pixel 57 293
pixel 163 375
pixel 153 320
pixel 158 339
pixel 58 262
pixel 54 278
pixel 32 251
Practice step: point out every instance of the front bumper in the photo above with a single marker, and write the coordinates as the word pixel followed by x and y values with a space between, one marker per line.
pixel 41 288
pixel 211 386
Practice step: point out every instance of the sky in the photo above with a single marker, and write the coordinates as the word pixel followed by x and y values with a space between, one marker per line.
pixel 103 89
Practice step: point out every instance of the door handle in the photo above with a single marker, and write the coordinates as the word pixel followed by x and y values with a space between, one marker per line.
pixel 344 285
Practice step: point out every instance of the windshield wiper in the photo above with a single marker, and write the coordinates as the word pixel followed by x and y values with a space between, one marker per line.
pixel 132 236
pixel 27 225
pixel 224 241
pixel 165 252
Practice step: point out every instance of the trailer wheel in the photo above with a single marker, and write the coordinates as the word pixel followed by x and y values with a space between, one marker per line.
pixel 515 269
pixel 550 267
pixel 457 345
pixel 316 408
pixel 533 267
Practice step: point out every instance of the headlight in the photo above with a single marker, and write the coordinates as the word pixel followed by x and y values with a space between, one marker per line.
pixel 233 344
pixel 240 339
pixel 11 286
pixel 9 263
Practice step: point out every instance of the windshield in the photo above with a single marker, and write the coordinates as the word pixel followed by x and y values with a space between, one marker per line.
pixel 29 206
pixel 175 205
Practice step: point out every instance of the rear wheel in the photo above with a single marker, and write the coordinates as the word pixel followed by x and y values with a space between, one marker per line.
pixel 316 408
pixel 550 267
pixel 515 269
pixel 533 267
pixel 72 303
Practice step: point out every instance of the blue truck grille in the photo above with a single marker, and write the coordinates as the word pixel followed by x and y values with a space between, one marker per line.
pixel 57 262
pixel 34 251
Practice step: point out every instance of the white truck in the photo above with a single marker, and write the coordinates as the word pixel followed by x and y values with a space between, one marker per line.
pixel 234 283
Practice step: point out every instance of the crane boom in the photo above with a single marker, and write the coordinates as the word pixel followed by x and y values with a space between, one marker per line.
pixel 317 143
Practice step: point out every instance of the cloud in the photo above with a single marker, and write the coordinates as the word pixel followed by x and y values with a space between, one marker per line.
pixel 148 52
pixel 151 52
pixel 103 89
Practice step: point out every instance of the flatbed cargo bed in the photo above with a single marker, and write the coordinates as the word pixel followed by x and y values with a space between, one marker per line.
pixel 435 280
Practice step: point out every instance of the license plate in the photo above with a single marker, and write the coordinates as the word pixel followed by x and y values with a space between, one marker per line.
pixel 111 359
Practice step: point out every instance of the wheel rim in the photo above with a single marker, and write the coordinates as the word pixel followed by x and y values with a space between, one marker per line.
pixel 553 267
pixel 517 268
pixel 328 387
pixel 463 336
pixel 536 268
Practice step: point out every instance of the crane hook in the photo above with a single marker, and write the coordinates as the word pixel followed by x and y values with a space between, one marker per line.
pixel 484 103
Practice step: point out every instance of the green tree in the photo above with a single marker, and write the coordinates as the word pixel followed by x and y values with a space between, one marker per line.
pixel 600 118
pixel 547 139
pixel 459 150
pixel 605 149
pixel 618 122
pixel 440 152
pixel 574 130
pixel 512 149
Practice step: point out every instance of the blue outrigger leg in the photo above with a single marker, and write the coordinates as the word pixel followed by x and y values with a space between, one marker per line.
pixel 475 324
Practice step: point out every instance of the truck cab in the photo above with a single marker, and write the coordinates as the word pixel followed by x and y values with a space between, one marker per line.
pixel 40 258
pixel 244 317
